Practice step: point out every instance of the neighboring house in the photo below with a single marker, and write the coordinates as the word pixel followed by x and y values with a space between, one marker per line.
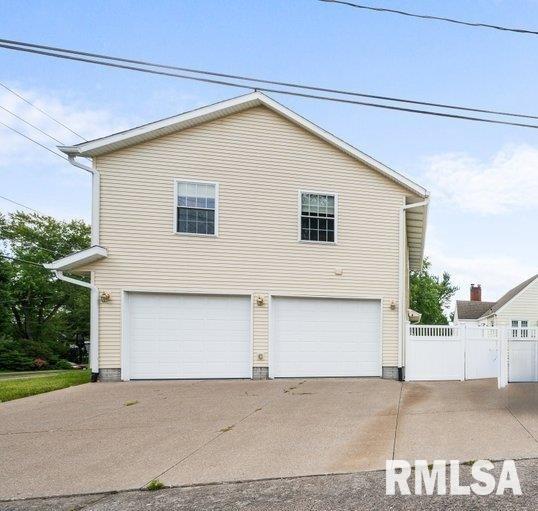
pixel 518 308
pixel 240 240
pixel 470 311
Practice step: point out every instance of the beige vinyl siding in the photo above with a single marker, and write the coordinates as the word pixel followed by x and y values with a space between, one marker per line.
pixel 260 161
pixel 524 306
pixel 260 330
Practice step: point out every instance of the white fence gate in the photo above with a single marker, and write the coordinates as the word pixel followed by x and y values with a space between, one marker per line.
pixel 522 354
pixel 442 352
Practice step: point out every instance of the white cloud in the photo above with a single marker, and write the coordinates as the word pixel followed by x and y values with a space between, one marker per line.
pixel 496 273
pixel 15 150
pixel 30 175
pixel 506 183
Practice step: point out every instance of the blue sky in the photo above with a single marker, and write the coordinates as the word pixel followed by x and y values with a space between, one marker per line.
pixel 483 178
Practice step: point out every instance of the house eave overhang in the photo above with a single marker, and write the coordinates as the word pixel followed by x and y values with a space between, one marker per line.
pixel 208 113
pixel 78 259
pixel 416 220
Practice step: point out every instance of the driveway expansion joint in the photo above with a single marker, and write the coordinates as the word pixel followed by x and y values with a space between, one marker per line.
pixel 211 440
pixel 397 418
pixel 521 424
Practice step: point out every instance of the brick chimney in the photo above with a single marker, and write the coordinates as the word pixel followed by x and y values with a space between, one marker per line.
pixel 476 293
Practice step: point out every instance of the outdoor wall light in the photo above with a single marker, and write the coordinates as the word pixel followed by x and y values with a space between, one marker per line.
pixel 105 296
pixel 260 301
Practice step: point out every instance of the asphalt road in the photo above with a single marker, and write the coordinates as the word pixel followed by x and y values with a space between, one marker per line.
pixel 358 491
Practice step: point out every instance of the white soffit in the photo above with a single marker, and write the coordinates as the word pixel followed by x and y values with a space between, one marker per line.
pixel 415 223
pixel 78 259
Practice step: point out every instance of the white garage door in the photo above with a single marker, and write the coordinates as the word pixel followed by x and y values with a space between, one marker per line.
pixel 188 336
pixel 325 337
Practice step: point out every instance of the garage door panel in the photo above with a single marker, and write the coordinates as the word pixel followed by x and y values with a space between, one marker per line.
pixel 326 337
pixel 189 336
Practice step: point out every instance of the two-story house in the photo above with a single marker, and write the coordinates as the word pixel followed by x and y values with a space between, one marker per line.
pixel 240 240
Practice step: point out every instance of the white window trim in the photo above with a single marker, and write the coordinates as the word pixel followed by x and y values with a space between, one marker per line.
pixel 299 210
pixel 178 180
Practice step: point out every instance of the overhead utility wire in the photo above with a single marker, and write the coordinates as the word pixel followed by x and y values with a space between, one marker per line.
pixel 20 96
pixel 265 89
pixel 260 80
pixel 31 125
pixel 55 254
pixel 20 204
pixel 430 17
pixel 16 259
pixel 35 141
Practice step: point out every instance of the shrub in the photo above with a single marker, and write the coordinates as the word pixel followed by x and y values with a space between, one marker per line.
pixel 62 364
pixel 12 358
pixel 24 355
pixel 40 363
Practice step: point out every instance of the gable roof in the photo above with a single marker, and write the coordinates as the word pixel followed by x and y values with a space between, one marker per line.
pixel 504 299
pixel 471 309
pixel 208 113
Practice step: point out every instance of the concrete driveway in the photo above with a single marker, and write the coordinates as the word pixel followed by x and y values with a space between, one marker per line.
pixel 113 436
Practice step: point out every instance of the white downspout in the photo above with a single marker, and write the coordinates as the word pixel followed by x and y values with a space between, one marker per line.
pixel 94 320
pixel 401 281
pixel 95 228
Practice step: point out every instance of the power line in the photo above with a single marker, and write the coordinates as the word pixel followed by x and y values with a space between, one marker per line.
pixel 35 245
pixel 35 141
pixel 265 89
pixel 20 96
pixel 251 79
pixel 31 125
pixel 22 205
pixel 16 259
pixel 429 17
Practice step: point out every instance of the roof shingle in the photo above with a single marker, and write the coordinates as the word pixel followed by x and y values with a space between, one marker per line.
pixel 468 309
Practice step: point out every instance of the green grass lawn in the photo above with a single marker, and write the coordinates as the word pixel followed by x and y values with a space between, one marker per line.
pixel 28 385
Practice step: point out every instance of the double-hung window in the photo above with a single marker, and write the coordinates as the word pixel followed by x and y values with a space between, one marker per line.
pixel 318 217
pixel 196 208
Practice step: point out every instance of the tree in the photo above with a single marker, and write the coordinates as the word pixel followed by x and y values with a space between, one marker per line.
pixel 38 307
pixel 430 295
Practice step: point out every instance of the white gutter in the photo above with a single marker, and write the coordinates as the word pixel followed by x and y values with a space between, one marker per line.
pixel 94 320
pixel 401 282
pixel 96 184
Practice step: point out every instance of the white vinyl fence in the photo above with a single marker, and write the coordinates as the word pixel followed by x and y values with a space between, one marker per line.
pixel 462 352
pixel 522 354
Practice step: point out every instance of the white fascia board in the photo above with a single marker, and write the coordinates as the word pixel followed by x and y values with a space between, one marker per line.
pixel 78 259
pixel 496 313
pixel 174 123
pixel 211 112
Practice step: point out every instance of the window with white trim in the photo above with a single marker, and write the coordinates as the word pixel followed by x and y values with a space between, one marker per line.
pixel 196 207
pixel 318 217
pixel 520 327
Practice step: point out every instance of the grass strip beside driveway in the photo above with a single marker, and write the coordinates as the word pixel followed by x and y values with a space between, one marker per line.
pixel 15 388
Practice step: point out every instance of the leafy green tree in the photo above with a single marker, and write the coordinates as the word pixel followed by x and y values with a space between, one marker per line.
pixel 5 301
pixel 38 308
pixel 430 295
